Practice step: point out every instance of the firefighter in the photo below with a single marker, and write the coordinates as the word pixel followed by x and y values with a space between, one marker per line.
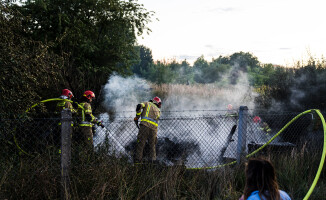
pixel 66 94
pixel 231 112
pixel 85 135
pixel 61 105
pixel 262 125
pixel 150 114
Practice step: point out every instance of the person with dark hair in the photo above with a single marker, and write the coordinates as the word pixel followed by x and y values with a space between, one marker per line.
pixel 261 183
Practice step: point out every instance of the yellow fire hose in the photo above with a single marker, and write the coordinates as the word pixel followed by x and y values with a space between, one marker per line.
pixel 54 99
pixel 322 160
pixel 30 108
pixel 321 164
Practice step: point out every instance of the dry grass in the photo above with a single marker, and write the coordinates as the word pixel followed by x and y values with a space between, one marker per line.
pixel 103 177
pixel 203 90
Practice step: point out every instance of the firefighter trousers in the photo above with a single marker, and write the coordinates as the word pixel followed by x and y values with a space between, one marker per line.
pixel 145 134
pixel 84 137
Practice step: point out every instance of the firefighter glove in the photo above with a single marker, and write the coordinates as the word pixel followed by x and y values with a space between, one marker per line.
pixel 100 123
pixel 136 118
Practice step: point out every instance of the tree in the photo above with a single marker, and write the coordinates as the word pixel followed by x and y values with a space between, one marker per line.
pixel 95 37
pixel 209 72
pixel 184 73
pixel 199 66
pixel 145 60
pixel 29 72
pixel 200 63
pixel 244 60
pixel 159 73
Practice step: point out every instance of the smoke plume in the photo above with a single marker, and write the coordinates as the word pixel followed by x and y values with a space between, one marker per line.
pixel 181 140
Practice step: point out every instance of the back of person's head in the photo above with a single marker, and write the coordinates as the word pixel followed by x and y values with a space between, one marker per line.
pixel 261 176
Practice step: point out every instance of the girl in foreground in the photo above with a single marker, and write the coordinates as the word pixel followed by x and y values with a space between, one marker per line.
pixel 261 182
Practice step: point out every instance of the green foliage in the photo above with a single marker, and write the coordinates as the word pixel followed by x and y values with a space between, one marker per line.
pixel 183 73
pixel 200 63
pixel 29 71
pixel 100 176
pixel 244 60
pixel 294 89
pixel 209 72
pixel 201 72
pixel 144 62
pixel 159 73
pixel 94 37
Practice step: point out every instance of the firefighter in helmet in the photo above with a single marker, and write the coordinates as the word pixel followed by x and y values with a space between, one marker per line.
pixel 149 112
pixel 66 94
pixel 231 112
pixel 87 121
pixel 61 105
pixel 262 125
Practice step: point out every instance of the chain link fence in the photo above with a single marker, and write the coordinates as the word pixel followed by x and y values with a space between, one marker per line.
pixel 195 139
pixel 206 139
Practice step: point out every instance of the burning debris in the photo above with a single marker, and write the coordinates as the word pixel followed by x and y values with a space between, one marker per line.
pixel 200 141
pixel 169 151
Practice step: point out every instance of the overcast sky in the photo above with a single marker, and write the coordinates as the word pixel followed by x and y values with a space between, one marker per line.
pixel 275 31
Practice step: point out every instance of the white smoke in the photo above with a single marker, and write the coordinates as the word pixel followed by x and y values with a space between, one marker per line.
pixel 210 96
pixel 122 94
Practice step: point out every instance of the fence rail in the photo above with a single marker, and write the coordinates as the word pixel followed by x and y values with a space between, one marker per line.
pixel 193 140
pixel 184 138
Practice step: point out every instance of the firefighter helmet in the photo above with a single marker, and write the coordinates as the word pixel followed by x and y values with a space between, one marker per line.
pixel 67 93
pixel 89 94
pixel 256 119
pixel 157 101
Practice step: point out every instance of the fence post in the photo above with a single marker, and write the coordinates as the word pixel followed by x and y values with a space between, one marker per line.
pixel 66 121
pixel 242 132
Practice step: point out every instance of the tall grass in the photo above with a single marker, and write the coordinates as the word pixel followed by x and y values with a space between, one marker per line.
pixel 203 96
pixel 203 90
pixel 100 176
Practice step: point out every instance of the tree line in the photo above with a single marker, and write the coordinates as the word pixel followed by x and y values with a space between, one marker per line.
pixel 301 86
pixel 50 45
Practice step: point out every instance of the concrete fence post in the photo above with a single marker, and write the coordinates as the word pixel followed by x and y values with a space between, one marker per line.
pixel 66 121
pixel 242 133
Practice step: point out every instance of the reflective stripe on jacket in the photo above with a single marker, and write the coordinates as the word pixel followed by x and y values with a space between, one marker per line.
pixel 150 115
pixel 63 105
pixel 87 111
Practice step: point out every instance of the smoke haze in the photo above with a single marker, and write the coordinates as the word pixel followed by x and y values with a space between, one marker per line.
pixel 184 102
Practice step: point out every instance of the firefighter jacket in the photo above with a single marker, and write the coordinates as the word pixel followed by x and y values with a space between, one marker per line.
pixel 264 127
pixel 149 114
pixel 231 113
pixel 63 105
pixel 87 118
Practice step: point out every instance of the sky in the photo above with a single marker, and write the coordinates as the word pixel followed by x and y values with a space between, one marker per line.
pixel 280 32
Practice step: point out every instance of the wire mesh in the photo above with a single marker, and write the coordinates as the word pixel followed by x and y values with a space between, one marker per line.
pixel 198 140
pixel 192 139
